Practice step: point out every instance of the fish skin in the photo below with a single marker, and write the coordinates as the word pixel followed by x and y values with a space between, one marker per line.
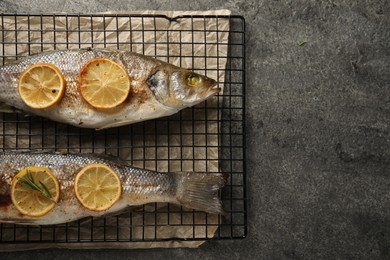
pixel 139 186
pixel 158 88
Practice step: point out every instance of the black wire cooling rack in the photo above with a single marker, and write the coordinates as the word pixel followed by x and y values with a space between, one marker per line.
pixel 139 141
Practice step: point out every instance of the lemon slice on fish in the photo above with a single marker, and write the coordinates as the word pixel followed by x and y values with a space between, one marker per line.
pixel 97 187
pixel 104 83
pixel 35 191
pixel 41 85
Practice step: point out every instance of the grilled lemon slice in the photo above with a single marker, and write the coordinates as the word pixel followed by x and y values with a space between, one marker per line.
pixel 104 83
pixel 35 191
pixel 97 187
pixel 41 85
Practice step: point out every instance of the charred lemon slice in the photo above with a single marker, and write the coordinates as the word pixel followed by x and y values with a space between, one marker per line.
pixel 104 83
pixel 97 187
pixel 35 191
pixel 41 85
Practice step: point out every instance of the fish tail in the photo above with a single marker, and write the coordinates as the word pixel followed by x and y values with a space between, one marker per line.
pixel 199 191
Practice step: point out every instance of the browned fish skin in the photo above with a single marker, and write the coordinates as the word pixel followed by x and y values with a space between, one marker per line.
pixel 157 88
pixel 193 190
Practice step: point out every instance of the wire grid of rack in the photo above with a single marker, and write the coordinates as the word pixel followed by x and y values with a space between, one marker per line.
pixel 230 146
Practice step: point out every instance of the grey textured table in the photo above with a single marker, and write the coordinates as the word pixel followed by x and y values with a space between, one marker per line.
pixel 318 123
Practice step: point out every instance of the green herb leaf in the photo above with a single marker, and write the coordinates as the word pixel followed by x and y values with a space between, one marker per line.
pixel 29 182
pixel 47 192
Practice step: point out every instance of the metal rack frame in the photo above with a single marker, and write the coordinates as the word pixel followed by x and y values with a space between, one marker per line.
pixel 231 136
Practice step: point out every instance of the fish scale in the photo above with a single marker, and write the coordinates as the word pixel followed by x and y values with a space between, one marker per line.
pixel 158 88
pixel 139 186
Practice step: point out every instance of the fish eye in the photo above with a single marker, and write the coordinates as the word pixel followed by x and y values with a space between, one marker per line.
pixel 193 80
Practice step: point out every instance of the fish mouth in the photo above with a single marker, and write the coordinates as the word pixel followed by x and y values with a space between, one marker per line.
pixel 214 88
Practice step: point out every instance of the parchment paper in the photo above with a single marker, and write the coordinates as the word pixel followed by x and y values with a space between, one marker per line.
pixel 182 147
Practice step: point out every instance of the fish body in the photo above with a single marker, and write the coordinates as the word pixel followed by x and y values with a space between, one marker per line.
pixel 158 88
pixel 139 186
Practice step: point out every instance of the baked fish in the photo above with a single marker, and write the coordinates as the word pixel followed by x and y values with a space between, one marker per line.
pixel 158 88
pixel 193 190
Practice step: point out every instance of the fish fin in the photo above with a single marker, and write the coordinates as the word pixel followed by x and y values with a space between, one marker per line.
pixel 115 159
pixel 27 151
pixel 117 124
pixel 199 191
pixel 4 108
pixel 124 211
pixel 109 157
pixel 20 221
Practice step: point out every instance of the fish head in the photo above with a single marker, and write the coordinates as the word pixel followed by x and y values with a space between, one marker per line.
pixel 178 88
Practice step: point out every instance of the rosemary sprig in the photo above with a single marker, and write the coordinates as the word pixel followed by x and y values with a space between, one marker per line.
pixel 29 182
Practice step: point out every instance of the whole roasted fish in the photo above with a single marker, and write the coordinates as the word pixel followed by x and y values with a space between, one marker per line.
pixel 194 190
pixel 158 88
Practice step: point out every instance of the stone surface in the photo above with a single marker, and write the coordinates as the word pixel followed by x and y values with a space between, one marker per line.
pixel 318 129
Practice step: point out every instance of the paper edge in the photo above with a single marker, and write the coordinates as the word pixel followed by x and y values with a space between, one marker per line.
pixel 104 245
